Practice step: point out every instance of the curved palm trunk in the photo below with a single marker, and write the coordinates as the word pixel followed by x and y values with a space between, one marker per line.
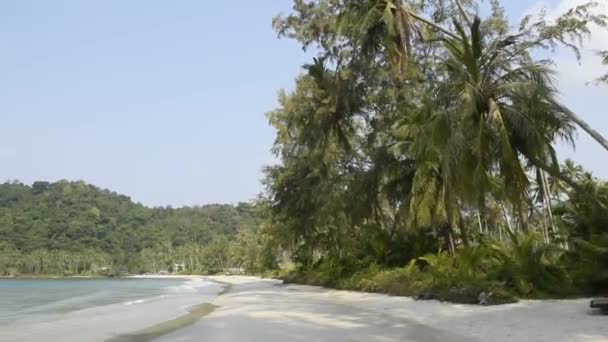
pixel 547 199
pixel 574 185
pixel 593 133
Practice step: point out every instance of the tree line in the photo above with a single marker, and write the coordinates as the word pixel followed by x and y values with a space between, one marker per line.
pixel 73 228
pixel 416 157
pixel 417 153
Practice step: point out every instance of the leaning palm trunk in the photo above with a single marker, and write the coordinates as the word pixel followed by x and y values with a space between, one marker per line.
pixel 479 222
pixel 587 128
pixel 547 199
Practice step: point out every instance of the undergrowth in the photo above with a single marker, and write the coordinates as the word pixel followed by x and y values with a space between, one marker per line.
pixel 484 274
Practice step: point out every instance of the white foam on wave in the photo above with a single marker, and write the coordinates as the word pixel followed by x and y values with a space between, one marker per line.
pixel 80 301
pixel 138 301
pixel 196 285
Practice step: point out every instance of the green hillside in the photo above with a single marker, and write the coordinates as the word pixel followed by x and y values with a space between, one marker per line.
pixel 76 228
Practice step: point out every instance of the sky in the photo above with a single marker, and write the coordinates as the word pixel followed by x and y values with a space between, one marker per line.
pixel 165 101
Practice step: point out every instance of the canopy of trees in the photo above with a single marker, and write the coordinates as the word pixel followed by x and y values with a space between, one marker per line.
pixel 73 228
pixel 423 128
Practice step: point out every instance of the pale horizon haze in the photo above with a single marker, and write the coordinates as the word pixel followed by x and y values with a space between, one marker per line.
pixel 165 102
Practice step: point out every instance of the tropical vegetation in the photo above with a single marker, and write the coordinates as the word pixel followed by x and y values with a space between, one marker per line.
pixel 73 228
pixel 417 154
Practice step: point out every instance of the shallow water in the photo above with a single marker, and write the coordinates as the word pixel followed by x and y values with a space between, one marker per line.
pixel 94 309
pixel 26 298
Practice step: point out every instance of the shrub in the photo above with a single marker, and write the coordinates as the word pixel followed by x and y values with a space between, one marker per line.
pixel 532 268
pixel 587 265
pixel 523 268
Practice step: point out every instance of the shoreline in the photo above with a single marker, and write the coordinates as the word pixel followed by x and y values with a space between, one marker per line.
pixel 164 276
pixel 184 302
pixel 167 327
pixel 268 310
pixel 233 308
pixel 194 314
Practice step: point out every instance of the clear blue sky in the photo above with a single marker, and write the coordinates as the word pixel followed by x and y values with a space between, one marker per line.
pixel 163 101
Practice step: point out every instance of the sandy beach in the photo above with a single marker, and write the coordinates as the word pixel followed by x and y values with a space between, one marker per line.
pixel 266 310
pixel 240 308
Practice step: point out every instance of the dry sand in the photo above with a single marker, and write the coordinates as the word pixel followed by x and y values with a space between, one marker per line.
pixel 265 310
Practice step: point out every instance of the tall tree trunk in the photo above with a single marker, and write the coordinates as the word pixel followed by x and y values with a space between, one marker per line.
pixel 544 228
pixel 547 196
pixel 500 228
pixel 587 128
pixel 504 212
pixel 448 231
pixel 463 231
pixel 522 218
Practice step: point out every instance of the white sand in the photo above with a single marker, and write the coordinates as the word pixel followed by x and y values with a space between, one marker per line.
pixel 264 310
pixel 165 276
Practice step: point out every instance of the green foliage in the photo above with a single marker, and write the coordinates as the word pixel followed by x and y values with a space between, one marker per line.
pixel 72 228
pixel 588 265
pixel 416 158
pixel 533 268
pixel 436 276
pixel 421 127
pixel 525 268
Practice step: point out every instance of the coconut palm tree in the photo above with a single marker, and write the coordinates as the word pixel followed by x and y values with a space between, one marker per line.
pixel 503 113
pixel 493 114
pixel 393 23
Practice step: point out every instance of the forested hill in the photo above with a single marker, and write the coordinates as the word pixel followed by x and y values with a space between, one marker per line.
pixel 76 219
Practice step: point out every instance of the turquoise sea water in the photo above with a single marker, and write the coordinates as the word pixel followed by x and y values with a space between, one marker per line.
pixel 94 309
pixel 21 298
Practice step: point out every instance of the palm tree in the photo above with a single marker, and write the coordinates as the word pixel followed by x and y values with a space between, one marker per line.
pixel 507 106
pixel 496 107
pixel 494 114
pixel 390 23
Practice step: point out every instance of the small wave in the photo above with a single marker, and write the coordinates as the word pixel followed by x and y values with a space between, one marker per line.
pixel 75 302
pixel 191 286
pixel 123 309
pixel 132 302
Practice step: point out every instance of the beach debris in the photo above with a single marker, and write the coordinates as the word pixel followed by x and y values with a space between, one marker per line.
pixel 600 303
pixel 484 298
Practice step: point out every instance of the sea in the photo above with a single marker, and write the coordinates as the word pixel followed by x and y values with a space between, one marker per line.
pixel 81 309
